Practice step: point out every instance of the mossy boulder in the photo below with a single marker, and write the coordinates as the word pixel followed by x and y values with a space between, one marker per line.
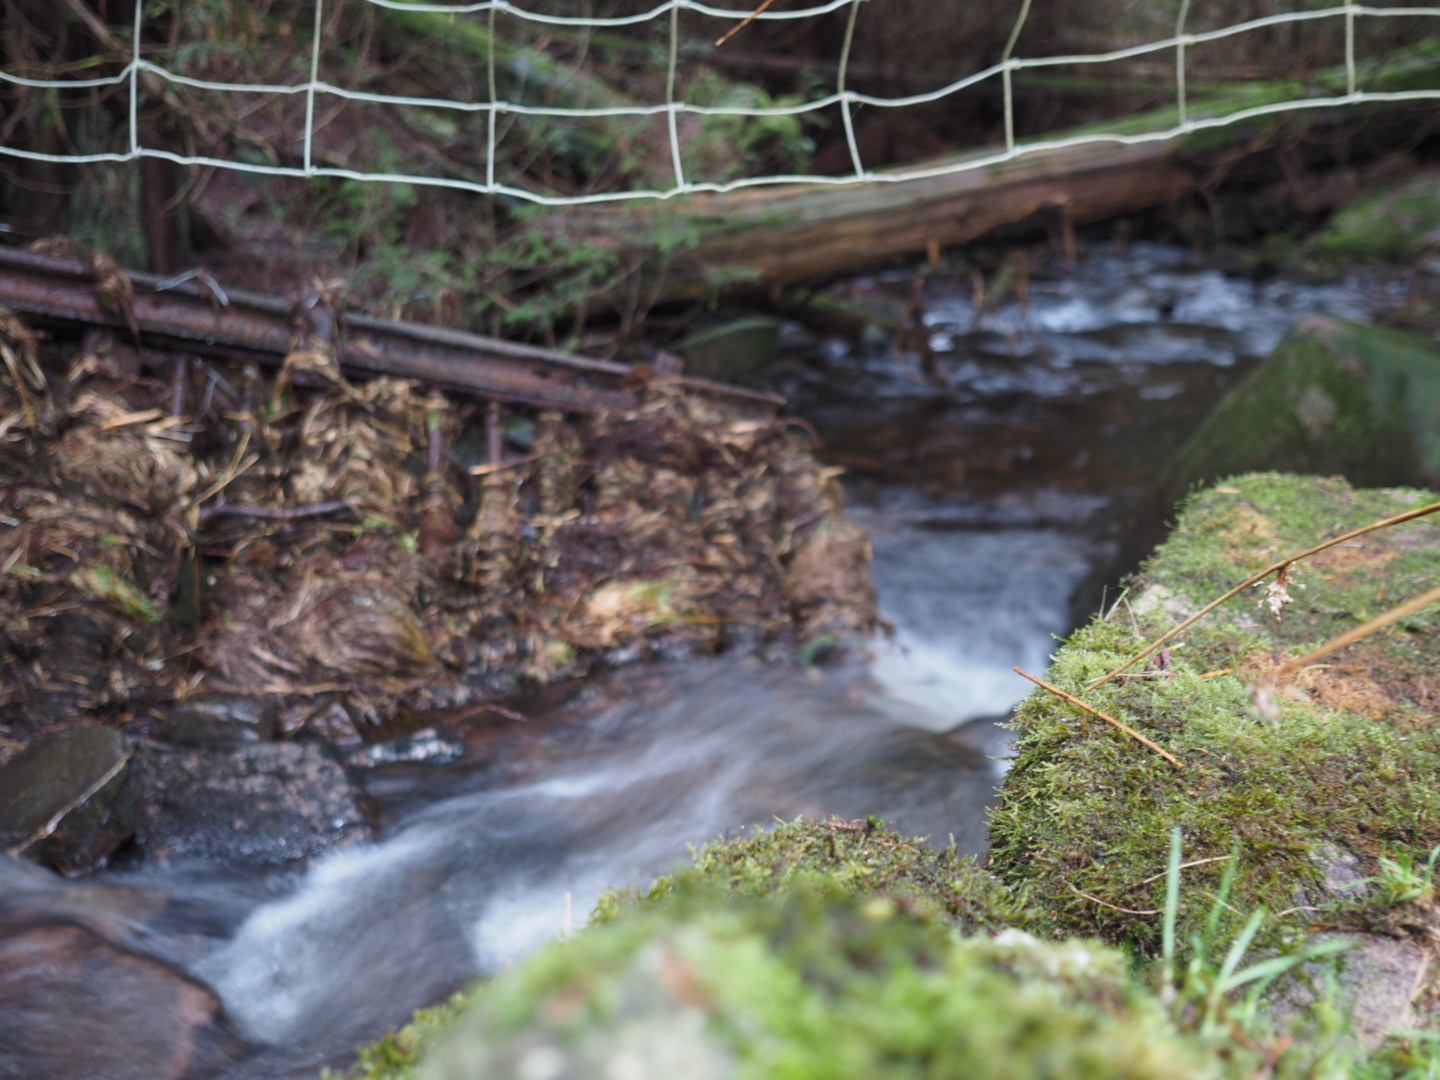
pixel 1299 804
pixel 819 983
pixel 1334 397
pixel 1392 223
pixel 833 949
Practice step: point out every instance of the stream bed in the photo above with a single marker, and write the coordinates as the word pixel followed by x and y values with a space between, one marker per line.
pixel 999 488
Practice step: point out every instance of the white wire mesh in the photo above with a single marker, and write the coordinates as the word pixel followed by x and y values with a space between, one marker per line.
pixel 313 88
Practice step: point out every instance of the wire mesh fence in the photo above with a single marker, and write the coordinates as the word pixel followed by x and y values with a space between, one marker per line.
pixel 315 94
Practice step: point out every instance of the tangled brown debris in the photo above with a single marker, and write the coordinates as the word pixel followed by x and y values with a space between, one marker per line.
pixel 379 545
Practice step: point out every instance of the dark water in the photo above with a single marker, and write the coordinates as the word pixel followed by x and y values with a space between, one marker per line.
pixel 991 498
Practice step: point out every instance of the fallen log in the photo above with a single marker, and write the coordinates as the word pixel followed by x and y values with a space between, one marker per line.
pixel 769 237
pixel 192 317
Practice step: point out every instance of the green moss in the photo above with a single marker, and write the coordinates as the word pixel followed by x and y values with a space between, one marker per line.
pixel 1085 814
pixel 861 858
pixel 1391 224
pixel 394 1056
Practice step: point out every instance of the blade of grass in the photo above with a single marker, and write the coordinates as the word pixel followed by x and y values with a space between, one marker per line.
pixel 1238 948
pixel 1278 965
pixel 1213 921
pixel 1172 909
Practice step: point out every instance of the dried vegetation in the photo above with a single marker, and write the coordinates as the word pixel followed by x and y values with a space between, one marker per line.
pixel 305 536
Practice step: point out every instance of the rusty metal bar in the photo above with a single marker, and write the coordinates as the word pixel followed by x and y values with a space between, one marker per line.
pixel 266 328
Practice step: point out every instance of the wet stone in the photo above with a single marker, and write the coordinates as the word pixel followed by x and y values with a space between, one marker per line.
pixel 1379 980
pixel 221 721
pixel 263 804
pixel 67 801
pixel 433 745
pixel 332 722
pixel 31 892
pixel 126 1016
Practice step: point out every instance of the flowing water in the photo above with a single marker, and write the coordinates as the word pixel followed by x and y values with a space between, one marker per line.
pixel 994 487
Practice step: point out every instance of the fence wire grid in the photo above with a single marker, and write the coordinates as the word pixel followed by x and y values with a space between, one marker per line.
pixel 1187 119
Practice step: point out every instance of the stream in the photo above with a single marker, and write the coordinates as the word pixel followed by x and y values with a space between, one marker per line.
pixel 999 490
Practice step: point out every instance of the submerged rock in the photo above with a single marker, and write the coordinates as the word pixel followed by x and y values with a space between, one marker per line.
pixel 29 892
pixel 731 349
pixel 268 803
pixel 67 800
pixel 1334 397
pixel 127 1016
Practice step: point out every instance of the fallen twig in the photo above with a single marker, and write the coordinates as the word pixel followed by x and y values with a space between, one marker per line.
pixel 125 420
pixel 282 513
pixel 1364 630
pixel 1186 866
pixel 499 710
pixel 1255 579
pixel 1113 907
pixel 497 466
pixel 743 23
pixel 1108 719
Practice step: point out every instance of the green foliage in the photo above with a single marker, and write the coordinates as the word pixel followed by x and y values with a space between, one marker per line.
pixel 731 146
pixel 549 269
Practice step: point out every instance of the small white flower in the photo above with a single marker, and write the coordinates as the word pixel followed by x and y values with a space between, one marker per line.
pixel 1277 593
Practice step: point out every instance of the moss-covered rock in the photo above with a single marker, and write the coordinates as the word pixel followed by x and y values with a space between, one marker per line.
pixel 1334 397
pixel 1392 223
pixel 1345 775
pixel 864 859
pixel 819 983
